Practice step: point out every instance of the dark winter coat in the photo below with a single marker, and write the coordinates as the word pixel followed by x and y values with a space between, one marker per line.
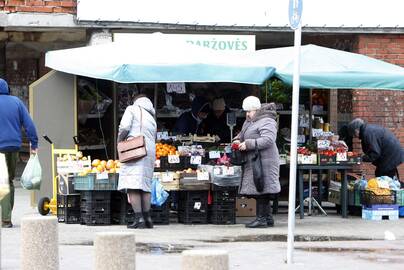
pixel 188 122
pixel 218 126
pixel 381 147
pixel 263 129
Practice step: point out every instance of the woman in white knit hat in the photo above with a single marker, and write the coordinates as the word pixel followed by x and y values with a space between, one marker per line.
pixel 259 131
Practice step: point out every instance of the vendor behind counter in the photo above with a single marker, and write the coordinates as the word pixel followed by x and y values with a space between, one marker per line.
pixel 193 121
pixel 216 123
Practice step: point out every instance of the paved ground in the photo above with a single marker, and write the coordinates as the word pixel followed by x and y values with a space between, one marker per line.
pixel 322 243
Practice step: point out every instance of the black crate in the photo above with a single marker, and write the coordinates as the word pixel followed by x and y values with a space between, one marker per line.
pixel 222 217
pixel 119 208
pixel 224 188
pixel 220 196
pixel 95 219
pixel 95 196
pixel 192 217
pixel 68 209
pixel 161 214
pixel 224 206
pixel 370 198
pixel 190 196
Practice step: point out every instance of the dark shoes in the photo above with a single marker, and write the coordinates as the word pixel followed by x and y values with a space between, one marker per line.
pixel 259 222
pixel 142 221
pixel 139 222
pixel 148 220
pixel 6 224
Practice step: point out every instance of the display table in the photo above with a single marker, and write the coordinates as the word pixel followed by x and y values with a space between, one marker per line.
pixel 320 168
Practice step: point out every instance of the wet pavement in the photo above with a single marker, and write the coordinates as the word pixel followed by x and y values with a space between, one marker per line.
pixel 322 242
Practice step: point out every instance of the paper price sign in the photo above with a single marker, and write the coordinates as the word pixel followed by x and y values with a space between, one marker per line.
pixel 167 177
pixel 103 175
pixel 173 159
pixel 317 132
pixel 321 144
pixel 202 176
pixel 217 171
pixel 342 156
pixel 196 160
pixel 214 154
pixel 162 135
pixel 228 171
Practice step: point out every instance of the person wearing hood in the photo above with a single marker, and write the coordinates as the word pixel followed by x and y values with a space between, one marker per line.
pixel 259 132
pixel 13 117
pixel 216 123
pixel 380 147
pixel 190 122
pixel 135 177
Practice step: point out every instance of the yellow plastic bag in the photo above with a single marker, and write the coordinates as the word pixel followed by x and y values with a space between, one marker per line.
pixel 4 184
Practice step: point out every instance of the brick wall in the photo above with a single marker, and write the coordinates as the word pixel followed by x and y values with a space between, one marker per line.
pixel 385 108
pixel 45 6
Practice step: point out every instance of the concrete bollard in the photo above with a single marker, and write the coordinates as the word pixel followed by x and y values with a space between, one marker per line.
pixel 39 243
pixel 115 251
pixel 205 260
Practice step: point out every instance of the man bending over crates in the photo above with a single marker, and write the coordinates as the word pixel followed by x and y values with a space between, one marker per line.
pixel 13 116
pixel 380 147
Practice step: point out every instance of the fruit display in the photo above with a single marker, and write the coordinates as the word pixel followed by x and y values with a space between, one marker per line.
pixel 77 157
pixel 163 150
pixel 101 166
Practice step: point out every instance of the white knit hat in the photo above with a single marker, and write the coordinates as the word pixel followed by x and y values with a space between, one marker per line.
pixel 251 103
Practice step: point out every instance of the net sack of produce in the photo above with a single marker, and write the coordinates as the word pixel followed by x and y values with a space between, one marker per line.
pixel 32 175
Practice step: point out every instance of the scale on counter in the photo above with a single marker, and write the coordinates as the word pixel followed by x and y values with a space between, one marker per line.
pixel 231 121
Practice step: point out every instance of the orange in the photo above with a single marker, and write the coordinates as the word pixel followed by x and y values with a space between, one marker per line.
pixel 95 162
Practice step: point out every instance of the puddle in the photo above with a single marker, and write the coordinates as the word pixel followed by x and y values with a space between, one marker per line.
pixel 146 248
pixel 339 249
pixel 282 238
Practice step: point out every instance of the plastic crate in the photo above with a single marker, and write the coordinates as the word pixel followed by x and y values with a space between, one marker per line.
pixel 380 212
pixel 222 217
pixel 90 182
pixel 219 196
pixel 95 219
pixel 186 217
pixel 369 198
pixel 220 176
pixel 193 207
pixel 161 214
pixel 68 209
pixel 401 211
pixel 400 197
pixel 166 166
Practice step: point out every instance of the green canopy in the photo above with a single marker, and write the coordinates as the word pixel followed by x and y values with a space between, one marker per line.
pixel 324 68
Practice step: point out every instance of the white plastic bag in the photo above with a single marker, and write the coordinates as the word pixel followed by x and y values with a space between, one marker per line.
pixel 32 175
pixel 4 184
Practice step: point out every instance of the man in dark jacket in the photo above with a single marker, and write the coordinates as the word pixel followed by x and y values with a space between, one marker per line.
pixel 379 146
pixel 191 121
pixel 216 123
pixel 13 116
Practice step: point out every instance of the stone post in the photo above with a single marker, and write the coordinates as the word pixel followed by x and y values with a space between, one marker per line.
pixel 39 243
pixel 205 260
pixel 115 251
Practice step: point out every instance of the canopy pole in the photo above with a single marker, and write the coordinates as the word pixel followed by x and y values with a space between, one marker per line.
pixel 155 99
pixel 293 147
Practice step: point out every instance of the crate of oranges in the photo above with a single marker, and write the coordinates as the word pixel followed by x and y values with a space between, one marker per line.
pixel 163 153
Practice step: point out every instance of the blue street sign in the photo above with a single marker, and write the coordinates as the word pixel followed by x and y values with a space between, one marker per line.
pixel 295 13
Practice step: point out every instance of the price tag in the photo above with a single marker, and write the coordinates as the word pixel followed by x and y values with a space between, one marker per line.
pixel 217 171
pixel 196 160
pixel 178 88
pixel 197 205
pixel 323 144
pixel 103 175
pixel 162 135
pixel 214 154
pixel 173 159
pixel 317 132
pixel 202 176
pixel 342 156
pixel 167 177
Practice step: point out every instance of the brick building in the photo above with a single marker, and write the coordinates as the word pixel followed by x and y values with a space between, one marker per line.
pixel 30 28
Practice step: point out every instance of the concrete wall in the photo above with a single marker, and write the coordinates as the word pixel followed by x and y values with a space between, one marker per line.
pixel 385 108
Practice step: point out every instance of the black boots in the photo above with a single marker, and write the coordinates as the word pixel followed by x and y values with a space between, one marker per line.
pixel 148 220
pixel 139 222
pixel 142 221
pixel 264 218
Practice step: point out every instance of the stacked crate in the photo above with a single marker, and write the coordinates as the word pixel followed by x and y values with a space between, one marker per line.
pixel 193 207
pixel 95 207
pixel 223 207
pixel 378 207
pixel 68 208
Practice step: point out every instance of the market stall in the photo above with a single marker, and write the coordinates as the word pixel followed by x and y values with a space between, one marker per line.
pixel 192 162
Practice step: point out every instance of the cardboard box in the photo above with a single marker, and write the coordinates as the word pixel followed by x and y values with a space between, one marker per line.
pixel 245 207
pixel 66 184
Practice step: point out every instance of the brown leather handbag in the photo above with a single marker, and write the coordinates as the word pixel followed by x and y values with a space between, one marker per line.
pixel 133 148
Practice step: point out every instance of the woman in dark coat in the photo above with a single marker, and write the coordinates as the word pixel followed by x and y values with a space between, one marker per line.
pixel 260 130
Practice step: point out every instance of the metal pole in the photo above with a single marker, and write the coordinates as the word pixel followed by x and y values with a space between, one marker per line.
pixel 293 147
